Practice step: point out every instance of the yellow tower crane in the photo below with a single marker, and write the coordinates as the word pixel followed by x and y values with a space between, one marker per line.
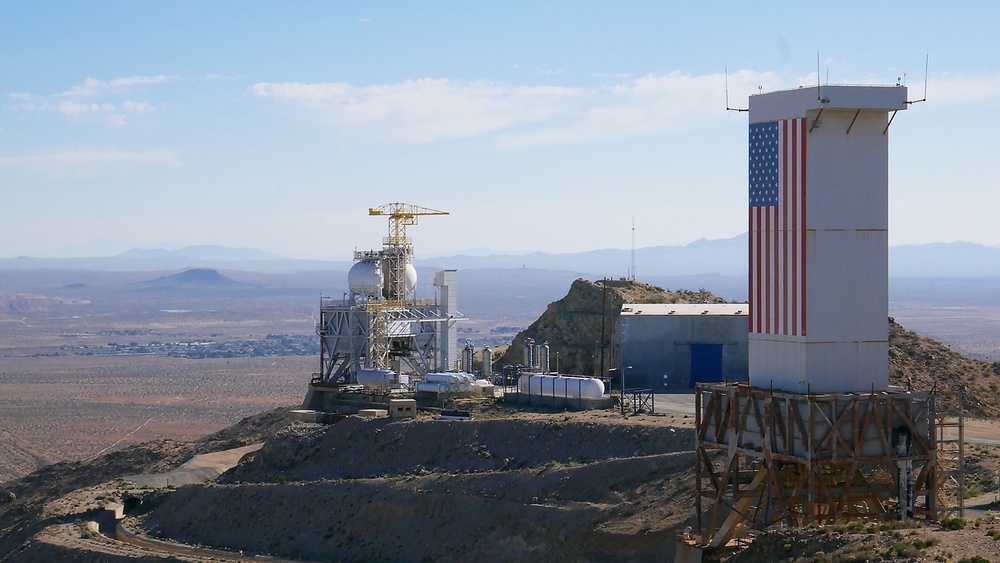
pixel 397 251
pixel 397 248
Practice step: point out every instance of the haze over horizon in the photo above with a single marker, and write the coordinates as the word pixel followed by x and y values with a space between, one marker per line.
pixel 539 128
pixel 247 253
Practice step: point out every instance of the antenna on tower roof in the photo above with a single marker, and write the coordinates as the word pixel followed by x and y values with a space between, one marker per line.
pixel 633 248
pixel 727 95
pixel 927 59
pixel 819 87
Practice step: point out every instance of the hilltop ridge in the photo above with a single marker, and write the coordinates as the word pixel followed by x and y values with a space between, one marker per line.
pixel 589 313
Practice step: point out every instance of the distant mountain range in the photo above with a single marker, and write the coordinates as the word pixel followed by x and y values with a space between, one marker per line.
pixel 726 257
pixel 203 252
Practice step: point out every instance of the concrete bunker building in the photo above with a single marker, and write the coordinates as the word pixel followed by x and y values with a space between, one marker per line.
pixel 674 346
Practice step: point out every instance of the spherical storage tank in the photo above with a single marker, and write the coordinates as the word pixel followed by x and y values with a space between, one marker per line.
pixel 365 278
pixel 561 386
pixel 410 274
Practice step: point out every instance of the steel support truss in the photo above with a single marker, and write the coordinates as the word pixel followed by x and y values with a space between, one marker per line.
pixel 764 457
pixel 637 400
pixel 372 334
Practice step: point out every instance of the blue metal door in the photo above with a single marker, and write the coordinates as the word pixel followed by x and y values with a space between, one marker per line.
pixel 706 363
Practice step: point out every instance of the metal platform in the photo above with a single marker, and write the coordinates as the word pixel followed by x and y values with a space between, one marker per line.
pixel 764 457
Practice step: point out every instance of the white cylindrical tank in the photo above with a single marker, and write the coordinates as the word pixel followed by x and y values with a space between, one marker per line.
pixel 429 387
pixel 365 278
pixel 376 377
pixel 468 355
pixel 451 377
pixel 487 363
pixel 560 386
pixel 543 358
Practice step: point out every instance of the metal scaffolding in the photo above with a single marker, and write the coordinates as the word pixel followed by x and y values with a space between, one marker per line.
pixel 764 457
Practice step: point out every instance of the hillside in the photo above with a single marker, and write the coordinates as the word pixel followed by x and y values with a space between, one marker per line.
pixel 22 519
pixel 509 486
pixel 921 363
pixel 573 325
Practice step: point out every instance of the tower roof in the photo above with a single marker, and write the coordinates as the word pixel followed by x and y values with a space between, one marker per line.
pixel 788 104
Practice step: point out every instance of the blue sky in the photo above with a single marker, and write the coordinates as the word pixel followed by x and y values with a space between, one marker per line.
pixel 539 126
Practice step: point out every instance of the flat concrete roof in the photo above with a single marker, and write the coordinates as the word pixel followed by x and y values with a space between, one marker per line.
pixel 794 103
pixel 685 309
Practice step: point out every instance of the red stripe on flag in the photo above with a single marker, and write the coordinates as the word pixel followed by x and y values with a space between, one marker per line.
pixel 760 281
pixel 802 230
pixel 777 257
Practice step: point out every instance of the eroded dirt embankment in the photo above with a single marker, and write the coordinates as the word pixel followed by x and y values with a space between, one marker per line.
pixel 429 490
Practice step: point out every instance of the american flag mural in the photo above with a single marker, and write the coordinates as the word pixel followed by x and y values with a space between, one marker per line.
pixel 777 227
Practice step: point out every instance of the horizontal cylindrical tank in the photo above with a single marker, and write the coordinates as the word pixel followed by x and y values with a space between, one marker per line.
pixel 434 387
pixel 561 386
pixel 376 377
pixel 453 377
pixel 448 382
pixel 429 387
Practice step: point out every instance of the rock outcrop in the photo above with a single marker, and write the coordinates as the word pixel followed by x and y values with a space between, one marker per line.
pixel 576 325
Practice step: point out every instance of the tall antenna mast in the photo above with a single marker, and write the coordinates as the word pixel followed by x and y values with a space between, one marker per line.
pixel 633 248
pixel 927 59
pixel 728 108
pixel 819 87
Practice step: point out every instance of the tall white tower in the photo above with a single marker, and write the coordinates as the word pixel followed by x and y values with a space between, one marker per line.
pixel 818 216
pixel 447 339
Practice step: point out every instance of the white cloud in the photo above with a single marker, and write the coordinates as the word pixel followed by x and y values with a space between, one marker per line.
pixel 424 110
pixel 81 99
pixel 429 110
pixel 949 88
pixel 137 107
pixel 77 108
pixel 85 160
pixel 95 87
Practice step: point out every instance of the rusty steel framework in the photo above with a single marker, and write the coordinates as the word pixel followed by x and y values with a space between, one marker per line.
pixel 765 457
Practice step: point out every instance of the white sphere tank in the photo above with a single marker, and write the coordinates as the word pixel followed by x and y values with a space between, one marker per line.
pixel 560 386
pixel 365 278
pixel 409 274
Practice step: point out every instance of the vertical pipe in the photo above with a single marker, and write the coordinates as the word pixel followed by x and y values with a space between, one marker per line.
pixel 810 429
pixel 698 404
pixel 961 452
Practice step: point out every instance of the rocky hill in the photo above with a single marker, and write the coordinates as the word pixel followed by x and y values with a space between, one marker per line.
pixel 195 277
pixel 575 324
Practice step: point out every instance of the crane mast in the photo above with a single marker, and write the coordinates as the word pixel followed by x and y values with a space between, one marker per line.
pixel 397 248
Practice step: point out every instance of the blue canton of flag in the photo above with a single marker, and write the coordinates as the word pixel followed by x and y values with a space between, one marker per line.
pixel 764 164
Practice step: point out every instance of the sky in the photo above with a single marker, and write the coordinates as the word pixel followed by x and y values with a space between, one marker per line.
pixel 539 126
